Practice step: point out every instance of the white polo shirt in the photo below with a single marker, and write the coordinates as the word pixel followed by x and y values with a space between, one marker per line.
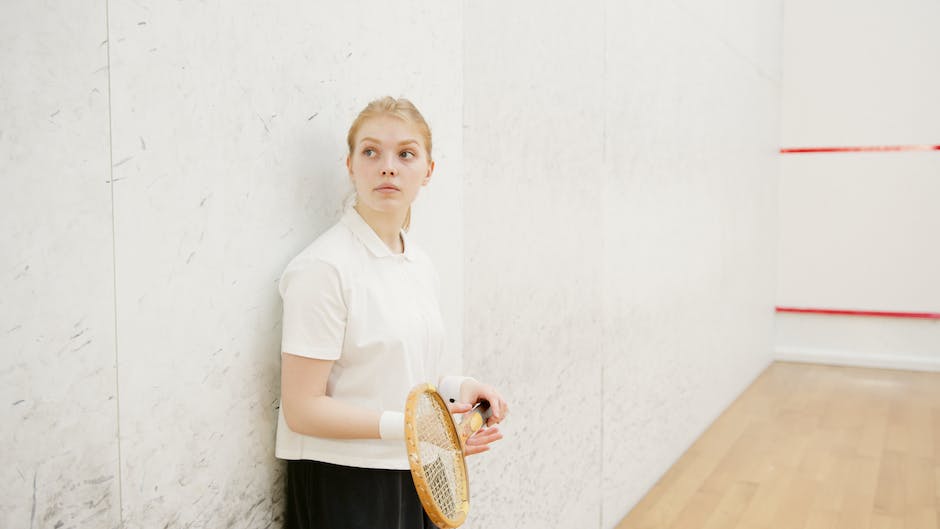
pixel 348 298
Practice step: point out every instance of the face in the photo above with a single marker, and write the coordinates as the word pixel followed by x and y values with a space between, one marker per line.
pixel 388 164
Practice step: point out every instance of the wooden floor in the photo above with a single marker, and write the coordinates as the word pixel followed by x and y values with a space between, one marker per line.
pixel 810 447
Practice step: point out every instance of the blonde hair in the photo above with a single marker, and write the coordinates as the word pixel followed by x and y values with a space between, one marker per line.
pixel 400 108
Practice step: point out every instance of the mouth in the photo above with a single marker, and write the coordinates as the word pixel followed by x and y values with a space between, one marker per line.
pixel 387 188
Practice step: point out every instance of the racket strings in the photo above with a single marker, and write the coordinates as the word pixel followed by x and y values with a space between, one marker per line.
pixel 440 453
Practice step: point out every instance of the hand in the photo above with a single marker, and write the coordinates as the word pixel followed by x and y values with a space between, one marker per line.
pixel 473 391
pixel 480 440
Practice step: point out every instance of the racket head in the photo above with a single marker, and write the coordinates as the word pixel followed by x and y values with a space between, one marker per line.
pixel 435 454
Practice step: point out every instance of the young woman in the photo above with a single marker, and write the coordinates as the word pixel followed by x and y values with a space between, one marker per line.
pixel 361 327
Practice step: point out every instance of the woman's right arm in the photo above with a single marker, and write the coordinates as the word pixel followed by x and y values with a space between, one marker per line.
pixel 309 411
pixel 314 324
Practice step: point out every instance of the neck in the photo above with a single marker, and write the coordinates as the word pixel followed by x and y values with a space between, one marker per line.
pixel 386 225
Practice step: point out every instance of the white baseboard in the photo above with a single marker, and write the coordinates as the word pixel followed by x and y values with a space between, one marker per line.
pixel 855 359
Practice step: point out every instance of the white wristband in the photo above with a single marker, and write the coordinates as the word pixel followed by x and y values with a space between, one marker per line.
pixel 449 388
pixel 392 425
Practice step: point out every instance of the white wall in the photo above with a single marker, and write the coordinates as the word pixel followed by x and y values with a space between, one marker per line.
pixel 227 125
pixel 690 226
pixel 234 141
pixel 859 231
pixel 533 228
pixel 620 206
pixel 58 427
pixel 602 216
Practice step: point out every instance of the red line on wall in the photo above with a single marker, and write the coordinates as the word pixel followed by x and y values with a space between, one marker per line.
pixel 872 148
pixel 882 313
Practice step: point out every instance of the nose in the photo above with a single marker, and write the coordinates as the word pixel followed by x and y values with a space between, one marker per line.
pixel 388 168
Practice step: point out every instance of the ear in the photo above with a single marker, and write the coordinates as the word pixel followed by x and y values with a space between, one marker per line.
pixel 427 177
pixel 349 166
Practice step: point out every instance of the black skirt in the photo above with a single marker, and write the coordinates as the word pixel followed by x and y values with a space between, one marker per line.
pixel 326 496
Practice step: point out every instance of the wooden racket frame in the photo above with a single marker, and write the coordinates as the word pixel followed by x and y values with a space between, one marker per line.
pixel 471 422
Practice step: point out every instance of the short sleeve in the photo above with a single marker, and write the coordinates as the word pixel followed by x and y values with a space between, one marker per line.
pixel 314 321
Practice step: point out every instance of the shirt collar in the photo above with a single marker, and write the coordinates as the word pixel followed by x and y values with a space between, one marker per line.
pixel 367 236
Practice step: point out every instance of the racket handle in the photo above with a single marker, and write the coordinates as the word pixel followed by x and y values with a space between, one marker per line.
pixel 473 420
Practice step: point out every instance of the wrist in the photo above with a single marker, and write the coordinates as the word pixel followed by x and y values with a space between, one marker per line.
pixel 451 387
pixel 392 425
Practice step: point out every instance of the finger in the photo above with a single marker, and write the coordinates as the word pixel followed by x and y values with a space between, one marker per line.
pixel 494 400
pixel 485 437
pixel 486 433
pixel 499 404
pixel 473 450
pixel 458 407
pixel 484 441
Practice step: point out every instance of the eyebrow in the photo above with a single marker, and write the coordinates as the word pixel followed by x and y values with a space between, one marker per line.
pixel 403 142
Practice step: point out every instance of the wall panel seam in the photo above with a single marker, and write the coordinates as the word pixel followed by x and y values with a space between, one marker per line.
pixel 603 318
pixel 117 378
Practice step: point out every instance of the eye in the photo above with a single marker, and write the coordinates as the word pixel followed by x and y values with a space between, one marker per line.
pixel 406 154
pixel 369 152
